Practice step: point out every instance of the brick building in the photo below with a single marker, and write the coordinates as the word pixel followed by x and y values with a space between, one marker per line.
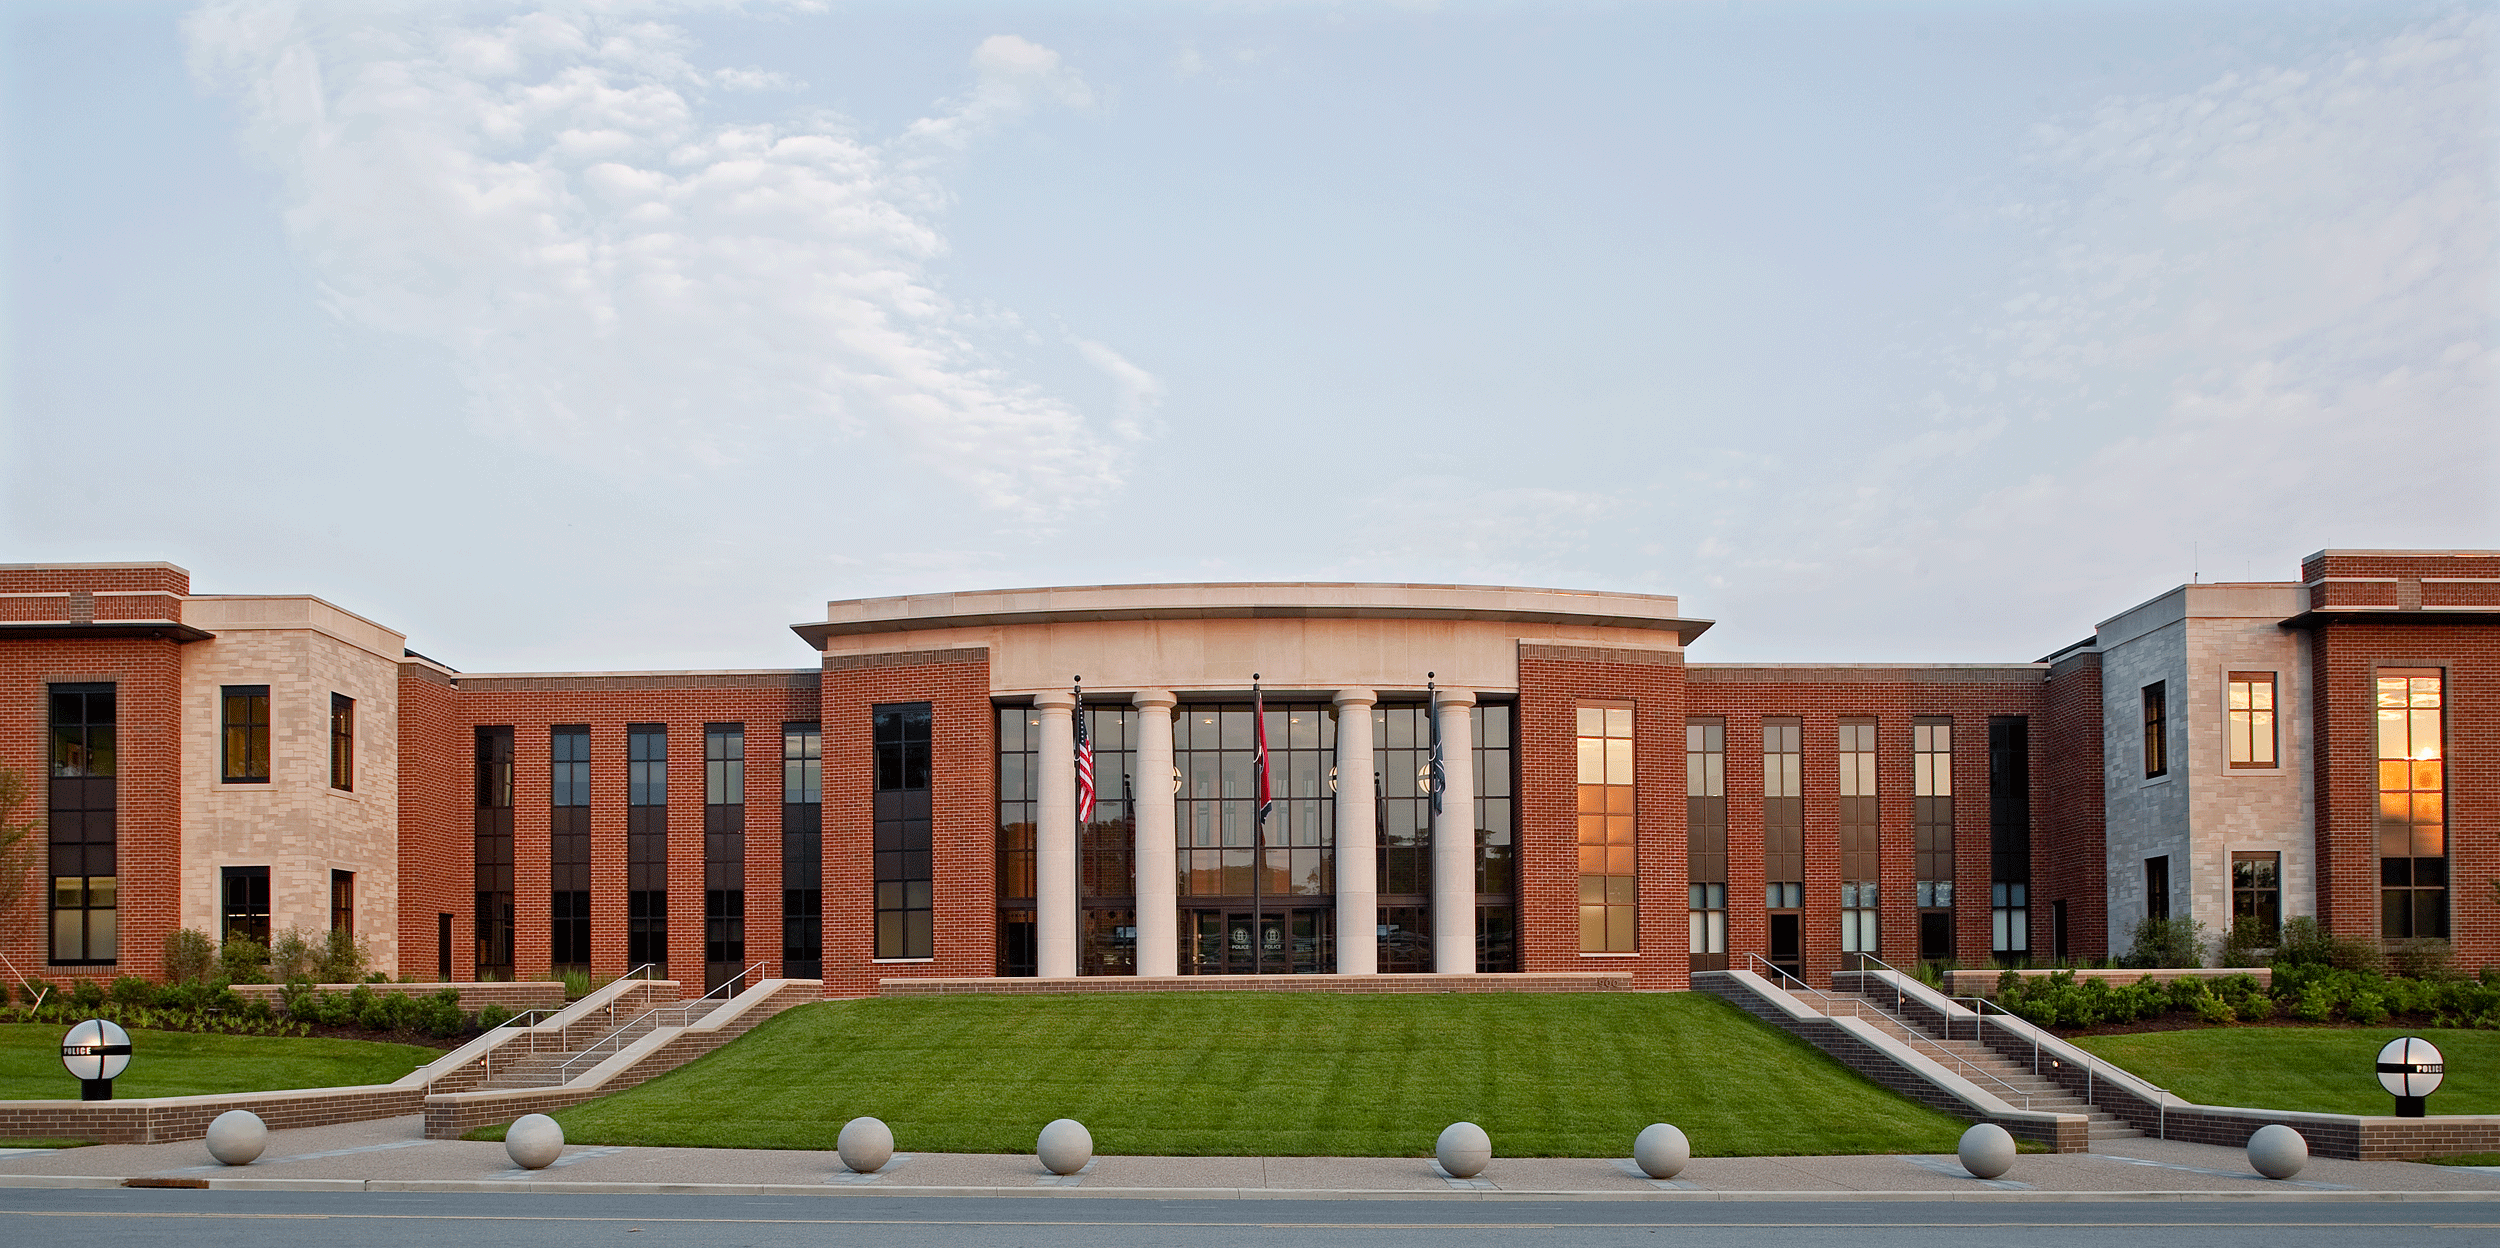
pixel 909 803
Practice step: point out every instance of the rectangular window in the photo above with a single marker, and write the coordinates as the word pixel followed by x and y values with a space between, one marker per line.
pixel 646 846
pixel 1705 822
pixel 568 848
pixel 2412 804
pixel 2156 729
pixel 492 852
pixel 1931 796
pixel 82 837
pixel 343 902
pixel 2257 891
pixel 245 893
pixel 802 851
pixel 2009 835
pixel 2157 887
pixel 1609 879
pixel 246 723
pixel 901 831
pixel 342 741
pixel 1106 873
pixel 2009 914
pixel 1860 836
pixel 2251 700
pixel 724 853
pixel 1783 813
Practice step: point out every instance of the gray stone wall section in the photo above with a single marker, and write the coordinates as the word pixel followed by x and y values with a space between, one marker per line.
pixel 2235 628
pixel 2147 817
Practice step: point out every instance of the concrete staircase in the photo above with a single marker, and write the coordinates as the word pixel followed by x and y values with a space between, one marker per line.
pixel 547 1069
pixel 2007 1078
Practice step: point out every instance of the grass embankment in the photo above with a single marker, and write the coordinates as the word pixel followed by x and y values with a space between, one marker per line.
pixel 2329 1070
pixel 182 1063
pixel 1271 1074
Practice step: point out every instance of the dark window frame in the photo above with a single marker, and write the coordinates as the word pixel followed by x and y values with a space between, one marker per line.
pixel 802 850
pixel 903 909
pixel 238 899
pixel 2257 889
pixel 343 901
pixel 251 733
pixel 82 838
pixel 342 742
pixel 2157 729
pixel 2157 887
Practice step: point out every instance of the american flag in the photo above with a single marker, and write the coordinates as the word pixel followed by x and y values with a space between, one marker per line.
pixel 1258 720
pixel 1084 764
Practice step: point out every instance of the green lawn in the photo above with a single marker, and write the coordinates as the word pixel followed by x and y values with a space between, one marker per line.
pixel 2321 1069
pixel 1271 1074
pixel 183 1063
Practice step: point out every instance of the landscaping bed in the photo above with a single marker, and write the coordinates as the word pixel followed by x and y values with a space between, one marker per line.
pixel 1271 1074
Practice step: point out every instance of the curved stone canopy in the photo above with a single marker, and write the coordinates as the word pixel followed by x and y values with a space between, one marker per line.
pixel 1313 637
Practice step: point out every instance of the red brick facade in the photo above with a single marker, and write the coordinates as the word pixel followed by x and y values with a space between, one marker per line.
pixel 2366 611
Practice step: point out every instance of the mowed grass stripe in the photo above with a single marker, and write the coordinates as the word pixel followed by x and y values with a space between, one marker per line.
pixel 1271 1074
pixel 185 1063
pixel 2327 1070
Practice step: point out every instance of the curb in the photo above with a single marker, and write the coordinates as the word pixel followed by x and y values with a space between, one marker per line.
pixel 1985 1196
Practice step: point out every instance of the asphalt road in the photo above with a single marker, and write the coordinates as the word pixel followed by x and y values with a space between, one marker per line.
pixel 203 1219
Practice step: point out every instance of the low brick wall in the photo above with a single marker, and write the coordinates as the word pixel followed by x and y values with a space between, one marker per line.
pixel 1983 983
pixel 2353 1137
pixel 515 996
pixel 448 1116
pixel 2064 1133
pixel 157 1120
pixel 1608 981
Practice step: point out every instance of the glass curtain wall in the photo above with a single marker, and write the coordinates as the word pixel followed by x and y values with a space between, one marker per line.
pixel 1255 901
pixel 1402 753
pixel 1106 877
pixel 1019 742
pixel 2412 818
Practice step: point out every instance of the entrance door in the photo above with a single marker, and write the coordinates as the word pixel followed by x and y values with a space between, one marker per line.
pixel 1787 945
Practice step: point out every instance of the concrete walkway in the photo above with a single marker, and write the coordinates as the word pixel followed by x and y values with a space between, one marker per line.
pixel 392 1155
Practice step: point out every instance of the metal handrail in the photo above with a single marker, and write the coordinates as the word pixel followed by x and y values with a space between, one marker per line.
pixel 2091 1062
pixel 1914 1038
pixel 735 982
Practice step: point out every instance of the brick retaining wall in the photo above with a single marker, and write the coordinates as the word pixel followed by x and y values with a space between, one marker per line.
pixel 513 996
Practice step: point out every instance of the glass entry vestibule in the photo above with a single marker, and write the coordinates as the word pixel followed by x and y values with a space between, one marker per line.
pixel 1252 899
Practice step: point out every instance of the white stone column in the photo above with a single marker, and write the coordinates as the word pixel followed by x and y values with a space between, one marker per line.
pixel 1358 838
pixel 1054 837
pixel 1454 842
pixel 1158 866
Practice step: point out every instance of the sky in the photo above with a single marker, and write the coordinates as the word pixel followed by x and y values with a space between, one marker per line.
pixel 598 336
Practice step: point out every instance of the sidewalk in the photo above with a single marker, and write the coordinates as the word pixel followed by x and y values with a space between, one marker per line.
pixel 392 1155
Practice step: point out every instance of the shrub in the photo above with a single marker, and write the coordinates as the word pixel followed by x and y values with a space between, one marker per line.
pixel 2425 957
pixel 438 1013
pixel 2306 942
pixel 189 956
pixel 2247 940
pixel 87 995
pixel 493 1016
pixel 2313 1005
pixel 2211 1009
pixel 295 956
pixel 2167 943
pixel 243 960
pixel 2367 1009
pixel 342 958
pixel 132 992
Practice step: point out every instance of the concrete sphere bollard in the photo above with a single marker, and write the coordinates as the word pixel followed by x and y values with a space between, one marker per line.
pixel 1661 1151
pixel 237 1136
pixel 866 1144
pixel 2277 1151
pixel 1463 1149
pixel 534 1141
pixel 1065 1146
pixel 1987 1150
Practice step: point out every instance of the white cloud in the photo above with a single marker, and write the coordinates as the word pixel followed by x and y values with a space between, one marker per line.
pixel 1139 391
pixel 2255 318
pixel 626 281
